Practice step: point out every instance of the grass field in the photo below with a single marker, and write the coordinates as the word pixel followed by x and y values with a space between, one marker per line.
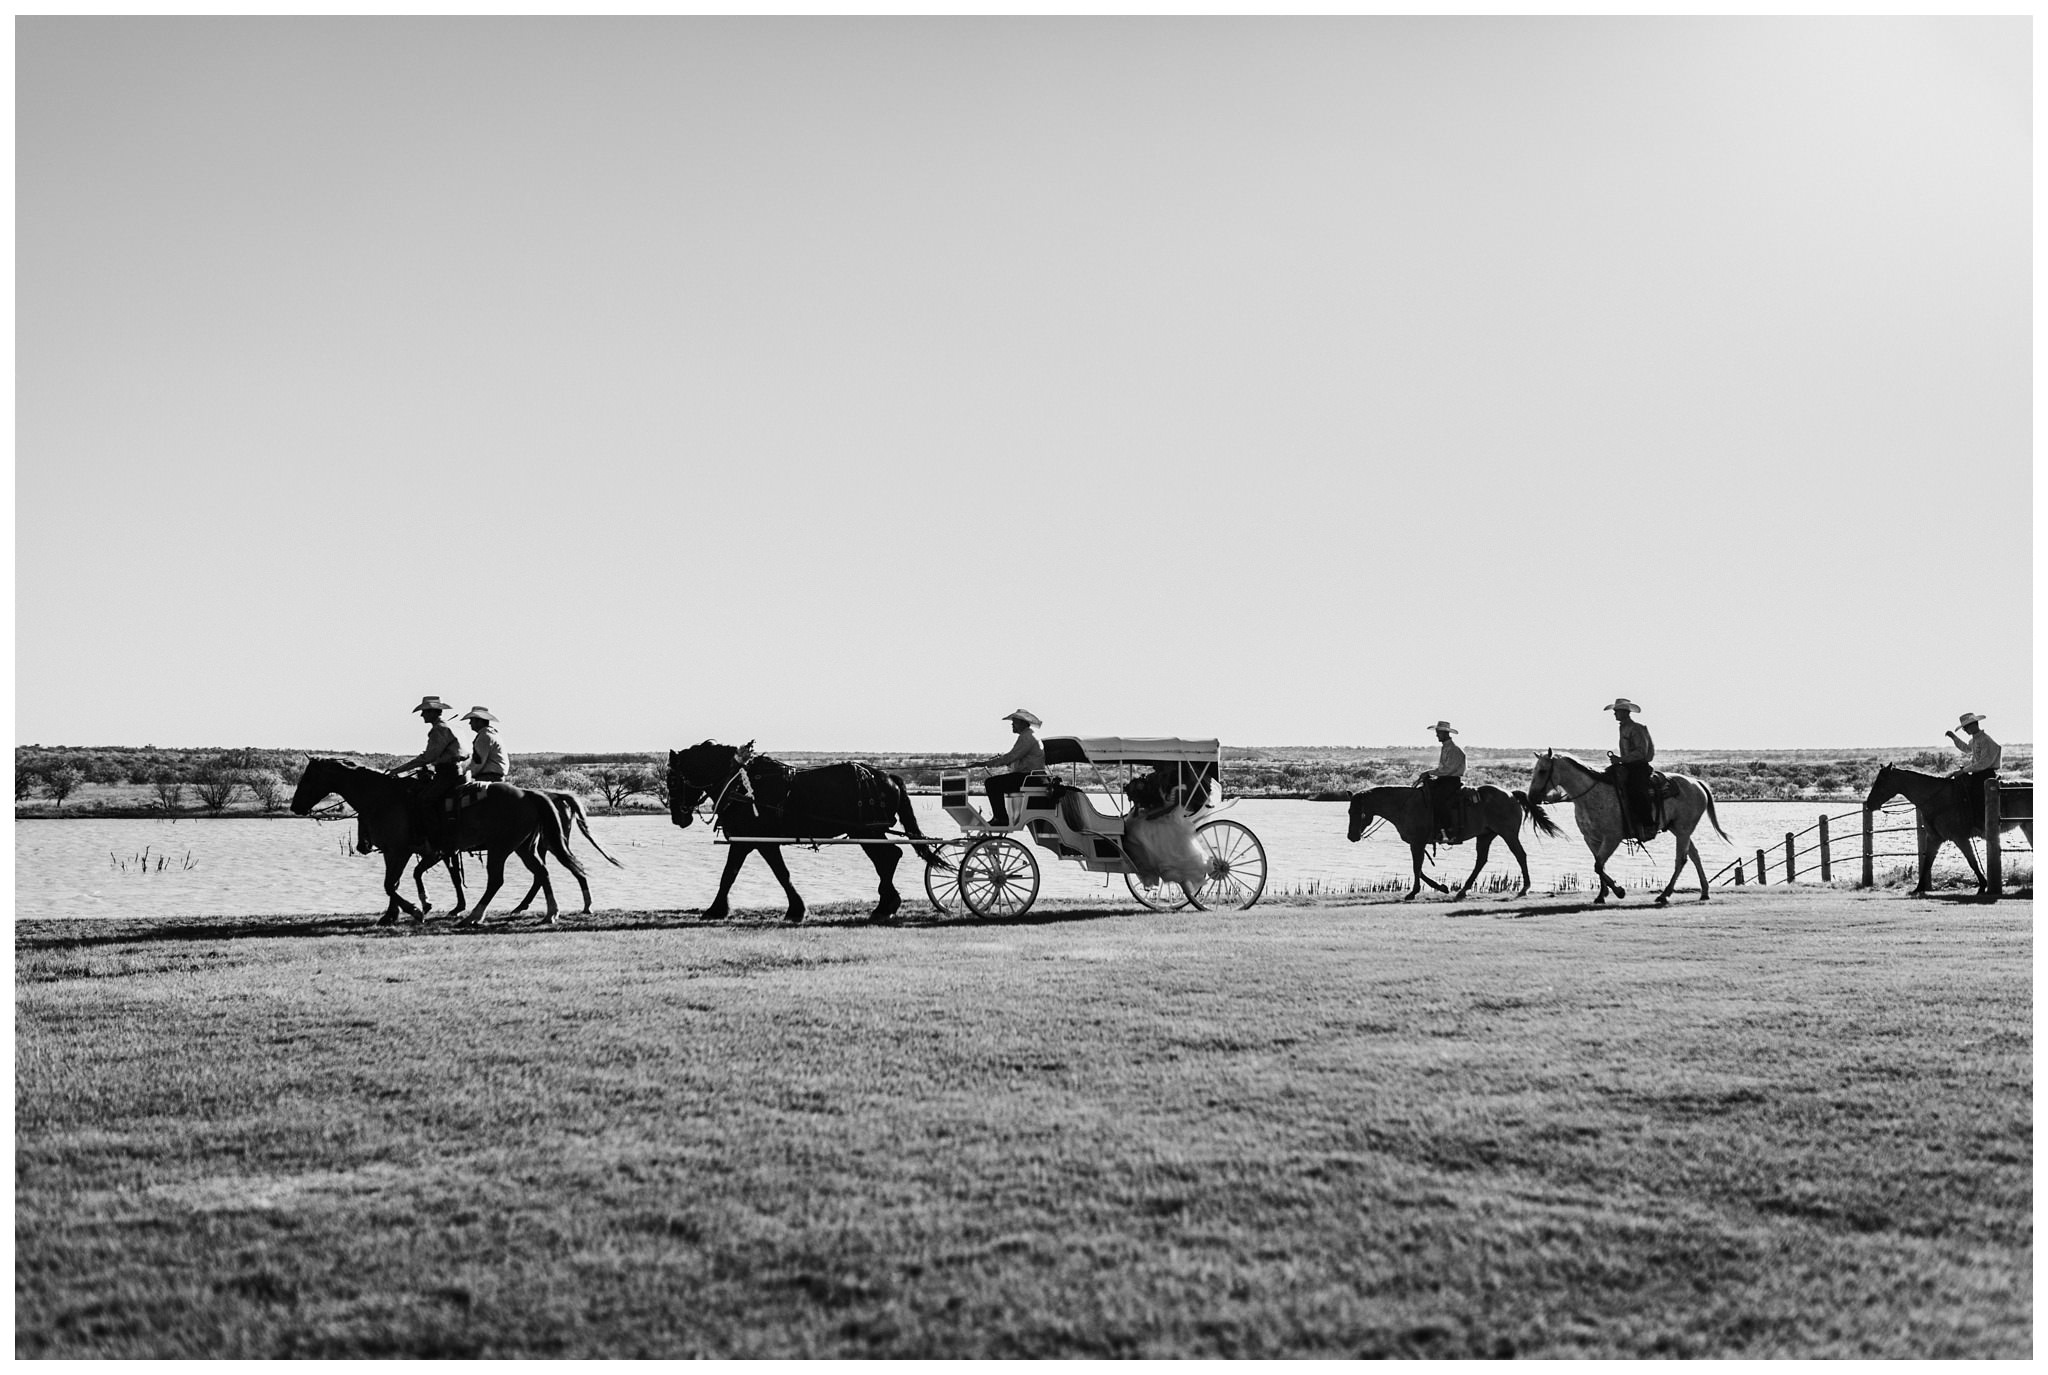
pixel 1784 1123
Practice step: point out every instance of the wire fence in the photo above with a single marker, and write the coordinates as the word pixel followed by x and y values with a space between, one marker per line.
pixel 1816 860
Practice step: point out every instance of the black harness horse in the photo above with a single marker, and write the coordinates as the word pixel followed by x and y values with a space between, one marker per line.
pixel 754 795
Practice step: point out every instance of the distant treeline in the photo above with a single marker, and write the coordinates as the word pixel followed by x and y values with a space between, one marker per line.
pixel 148 780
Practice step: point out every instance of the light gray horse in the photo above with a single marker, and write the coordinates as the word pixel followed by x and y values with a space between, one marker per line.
pixel 1596 806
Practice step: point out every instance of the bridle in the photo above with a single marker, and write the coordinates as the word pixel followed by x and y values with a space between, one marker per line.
pixel 1592 782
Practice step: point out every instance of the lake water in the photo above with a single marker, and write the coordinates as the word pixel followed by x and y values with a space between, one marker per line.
pixel 296 866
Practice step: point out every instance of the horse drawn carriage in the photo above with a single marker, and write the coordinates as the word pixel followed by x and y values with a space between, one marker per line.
pixel 1174 785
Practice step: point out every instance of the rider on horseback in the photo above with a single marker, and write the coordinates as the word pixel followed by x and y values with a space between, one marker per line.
pixel 1445 787
pixel 486 752
pixel 1638 812
pixel 439 766
pixel 1982 754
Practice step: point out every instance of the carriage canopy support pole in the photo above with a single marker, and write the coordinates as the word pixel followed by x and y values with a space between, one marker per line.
pixel 1869 854
pixel 1994 861
pixel 1827 867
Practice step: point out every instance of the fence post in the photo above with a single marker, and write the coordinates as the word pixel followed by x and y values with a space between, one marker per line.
pixel 1827 868
pixel 1791 848
pixel 1994 860
pixel 1869 855
pixel 1738 873
pixel 1761 879
pixel 1923 850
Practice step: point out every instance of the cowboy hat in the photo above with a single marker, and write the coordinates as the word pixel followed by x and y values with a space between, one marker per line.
pixel 1445 726
pixel 478 714
pixel 1026 717
pixel 1622 704
pixel 1970 716
pixel 433 703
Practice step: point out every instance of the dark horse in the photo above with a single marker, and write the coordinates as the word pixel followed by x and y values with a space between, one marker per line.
pixel 754 795
pixel 1933 795
pixel 1489 812
pixel 568 807
pixel 506 820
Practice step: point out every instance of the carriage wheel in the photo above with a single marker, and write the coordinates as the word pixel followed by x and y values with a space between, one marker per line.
pixel 998 878
pixel 1244 860
pixel 1163 896
pixel 942 886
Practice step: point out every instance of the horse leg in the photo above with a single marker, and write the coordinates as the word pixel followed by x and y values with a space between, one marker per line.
pixel 773 854
pixel 494 873
pixel 1684 839
pixel 1698 868
pixel 394 870
pixel 1970 854
pixel 1930 844
pixel 885 859
pixel 454 861
pixel 1521 857
pixel 1485 842
pixel 1415 850
pixel 561 851
pixel 1600 858
pixel 532 861
pixel 419 881
pixel 734 858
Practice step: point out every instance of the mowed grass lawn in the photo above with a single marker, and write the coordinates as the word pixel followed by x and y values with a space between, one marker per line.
pixel 1794 1123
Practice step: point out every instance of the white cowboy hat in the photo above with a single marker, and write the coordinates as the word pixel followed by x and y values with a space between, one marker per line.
pixel 1970 716
pixel 1622 704
pixel 433 703
pixel 1445 726
pixel 478 714
pixel 1026 717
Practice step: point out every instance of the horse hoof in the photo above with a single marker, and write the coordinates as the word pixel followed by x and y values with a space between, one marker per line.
pixel 388 919
pixel 1660 902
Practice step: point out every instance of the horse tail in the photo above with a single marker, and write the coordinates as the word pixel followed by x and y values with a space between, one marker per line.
pixel 1710 810
pixel 1538 818
pixel 572 807
pixel 907 818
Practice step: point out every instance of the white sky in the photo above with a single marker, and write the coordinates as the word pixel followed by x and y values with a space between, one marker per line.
pixel 846 383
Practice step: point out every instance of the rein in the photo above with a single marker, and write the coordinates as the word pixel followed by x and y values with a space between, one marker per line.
pixel 1593 780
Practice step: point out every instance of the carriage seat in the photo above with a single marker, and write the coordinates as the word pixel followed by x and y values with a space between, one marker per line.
pixel 1081 815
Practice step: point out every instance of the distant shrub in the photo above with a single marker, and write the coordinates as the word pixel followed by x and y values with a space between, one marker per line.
pixel 266 786
pixel 169 789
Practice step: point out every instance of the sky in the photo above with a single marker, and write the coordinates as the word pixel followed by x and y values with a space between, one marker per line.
pixel 845 384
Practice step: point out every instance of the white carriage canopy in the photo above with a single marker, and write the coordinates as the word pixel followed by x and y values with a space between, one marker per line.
pixel 1131 749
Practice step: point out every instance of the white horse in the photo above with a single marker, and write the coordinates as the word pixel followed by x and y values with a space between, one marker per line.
pixel 1596 805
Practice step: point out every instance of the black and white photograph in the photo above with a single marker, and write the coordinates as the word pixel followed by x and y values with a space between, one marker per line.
pixel 1007 686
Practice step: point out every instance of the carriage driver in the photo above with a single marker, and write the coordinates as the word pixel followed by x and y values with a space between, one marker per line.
pixel 1025 758
pixel 1444 785
pixel 439 765
pixel 1637 750
pixel 486 752
pixel 1981 755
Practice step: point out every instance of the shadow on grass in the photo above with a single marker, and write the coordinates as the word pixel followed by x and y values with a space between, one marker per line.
pixel 88 933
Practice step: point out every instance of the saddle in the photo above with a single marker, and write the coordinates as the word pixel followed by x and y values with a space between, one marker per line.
pixel 1661 790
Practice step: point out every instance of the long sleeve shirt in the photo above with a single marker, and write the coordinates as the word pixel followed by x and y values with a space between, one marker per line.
pixel 1450 762
pixel 1980 752
pixel 1026 756
pixel 486 754
pixel 1636 745
pixel 442 748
